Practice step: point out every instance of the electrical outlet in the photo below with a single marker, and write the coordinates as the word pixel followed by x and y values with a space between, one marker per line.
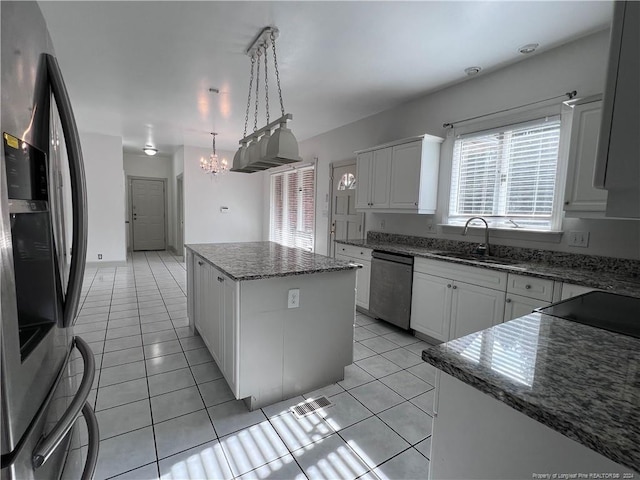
pixel 430 226
pixel 293 300
pixel 578 239
pixel 382 225
pixel 99 256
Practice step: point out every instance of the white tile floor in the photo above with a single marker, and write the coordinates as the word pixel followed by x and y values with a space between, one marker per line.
pixel 165 411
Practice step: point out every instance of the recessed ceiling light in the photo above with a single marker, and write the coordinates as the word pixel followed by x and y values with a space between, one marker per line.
pixel 471 71
pixel 528 48
pixel 149 150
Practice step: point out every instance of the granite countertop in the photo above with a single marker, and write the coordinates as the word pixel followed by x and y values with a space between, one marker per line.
pixel 614 282
pixel 581 381
pixel 256 260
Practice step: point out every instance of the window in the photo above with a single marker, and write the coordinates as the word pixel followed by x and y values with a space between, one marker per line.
pixel 507 174
pixel 347 182
pixel 292 216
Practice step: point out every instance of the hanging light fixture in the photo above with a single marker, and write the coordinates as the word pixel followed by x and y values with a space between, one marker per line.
pixel 265 150
pixel 214 164
pixel 149 150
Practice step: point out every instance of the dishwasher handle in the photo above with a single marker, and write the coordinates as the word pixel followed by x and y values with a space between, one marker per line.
pixel 393 257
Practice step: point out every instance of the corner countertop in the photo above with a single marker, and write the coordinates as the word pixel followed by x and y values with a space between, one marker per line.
pixel 607 281
pixel 256 260
pixel 581 381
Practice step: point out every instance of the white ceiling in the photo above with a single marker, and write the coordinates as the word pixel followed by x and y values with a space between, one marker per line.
pixel 142 70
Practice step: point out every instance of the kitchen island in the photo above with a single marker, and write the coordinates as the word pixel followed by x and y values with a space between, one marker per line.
pixel 537 396
pixel 277 320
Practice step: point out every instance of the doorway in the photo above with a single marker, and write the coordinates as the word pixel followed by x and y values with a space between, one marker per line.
pixel 180 215
pixel 345 222
pixel 148 213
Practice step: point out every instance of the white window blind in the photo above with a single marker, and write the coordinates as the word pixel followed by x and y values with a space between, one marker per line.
pixel 292 217
pixel 507 174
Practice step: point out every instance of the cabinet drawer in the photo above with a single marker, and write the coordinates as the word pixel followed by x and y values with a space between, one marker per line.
pixel 531 287
pixel 483 277
pixel 354 252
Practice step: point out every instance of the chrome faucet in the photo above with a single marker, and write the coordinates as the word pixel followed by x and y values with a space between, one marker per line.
pixel 482 248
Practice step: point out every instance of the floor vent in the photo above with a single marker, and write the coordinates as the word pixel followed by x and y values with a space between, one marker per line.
pixel 310 406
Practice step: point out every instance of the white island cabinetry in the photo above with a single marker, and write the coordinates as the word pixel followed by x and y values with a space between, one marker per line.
pixel 267 349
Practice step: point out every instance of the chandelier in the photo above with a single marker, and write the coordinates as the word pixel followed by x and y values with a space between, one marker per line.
pixel 261 149
pixel 214 164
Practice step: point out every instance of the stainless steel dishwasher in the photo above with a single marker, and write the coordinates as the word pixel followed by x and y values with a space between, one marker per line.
pixel 391 284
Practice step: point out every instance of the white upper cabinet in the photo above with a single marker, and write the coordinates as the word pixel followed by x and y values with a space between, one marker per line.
pixel 379 191
pixel 364 167
pixel 372 177
pixel 400 177
pixel 582 199
pixel 617 166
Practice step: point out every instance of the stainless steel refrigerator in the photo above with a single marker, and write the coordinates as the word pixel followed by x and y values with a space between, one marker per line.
pixel 46 371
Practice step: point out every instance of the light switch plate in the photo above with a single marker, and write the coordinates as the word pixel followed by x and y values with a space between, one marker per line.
pixel 293 300
pixel 578 239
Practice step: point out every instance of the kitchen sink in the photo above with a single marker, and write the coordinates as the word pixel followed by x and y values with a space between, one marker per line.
pixel 479 258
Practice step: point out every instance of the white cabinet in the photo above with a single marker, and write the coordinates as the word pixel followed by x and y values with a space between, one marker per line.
pixel 581 198
pixel 213 306
pixel 373 176
pixel 517 306
pixel 445 305
pixel 361 256
pixel 569 290
pixel 474 308
pixel 617 166
pixel 525 294
pixel 431 305
pixel 399 177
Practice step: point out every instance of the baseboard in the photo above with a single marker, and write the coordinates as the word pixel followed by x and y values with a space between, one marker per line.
pixel 172 249
pixel 122 263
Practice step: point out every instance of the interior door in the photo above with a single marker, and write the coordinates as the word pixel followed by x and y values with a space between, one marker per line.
pixel 148 214
pixel 346 222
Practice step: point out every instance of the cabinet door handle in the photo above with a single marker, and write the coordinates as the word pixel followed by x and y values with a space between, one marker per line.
pixel 200 263
pixel 528 287
pixel 416 204
pixel 449 286
pixel 508 300
pixel 454 287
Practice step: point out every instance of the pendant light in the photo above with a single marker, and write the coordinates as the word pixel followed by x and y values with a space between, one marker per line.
pixel 265 150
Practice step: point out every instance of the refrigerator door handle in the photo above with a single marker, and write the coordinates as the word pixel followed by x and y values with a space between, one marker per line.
pixel 78 190
pixel 94 442
pixel 48 444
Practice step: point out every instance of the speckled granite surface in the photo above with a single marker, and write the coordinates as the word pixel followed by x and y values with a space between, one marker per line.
pixel 255 260
pixel 604 273
pixel 581 381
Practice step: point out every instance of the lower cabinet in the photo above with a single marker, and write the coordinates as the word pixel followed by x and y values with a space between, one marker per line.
pixel 474 308
pixel 569 290
pixel 444 308
pixel 518 306
pixel 431 305
pixel 361 256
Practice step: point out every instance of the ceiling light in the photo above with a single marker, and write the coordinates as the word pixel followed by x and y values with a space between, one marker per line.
pixel 471 71
pixel 262 150
pixel 149 150
pixel 214 164
pixel 528 48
